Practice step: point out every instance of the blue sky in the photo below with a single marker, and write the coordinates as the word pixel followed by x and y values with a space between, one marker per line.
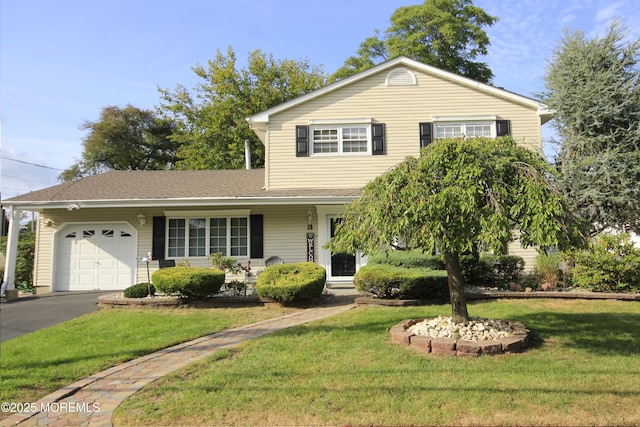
pixel 62 61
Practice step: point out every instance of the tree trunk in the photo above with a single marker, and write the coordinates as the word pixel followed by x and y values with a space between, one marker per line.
pixel 456 288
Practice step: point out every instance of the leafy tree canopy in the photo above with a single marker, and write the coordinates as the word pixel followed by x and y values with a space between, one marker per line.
pixel 593 87
pixel 447 34
pixel 458 193
pixel 126 138
pixel 212 116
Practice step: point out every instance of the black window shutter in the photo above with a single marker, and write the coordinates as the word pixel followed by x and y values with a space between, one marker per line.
pixel 158 237
pixel 425 134
pixel 377 138
pixel 502 127
pixel 302 141
pixel 257 236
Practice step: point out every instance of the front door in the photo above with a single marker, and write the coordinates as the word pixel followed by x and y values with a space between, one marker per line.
pixel 342 265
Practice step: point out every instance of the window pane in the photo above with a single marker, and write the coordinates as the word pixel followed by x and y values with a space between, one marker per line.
pixel 239 237
pixel 448 131
pixel 478 130
pixel 325 140
pixel 354 140
pixel 218 236
pixel 197 237
pixel 176 237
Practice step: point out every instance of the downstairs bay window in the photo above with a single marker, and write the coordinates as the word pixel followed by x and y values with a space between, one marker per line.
pixel 202 236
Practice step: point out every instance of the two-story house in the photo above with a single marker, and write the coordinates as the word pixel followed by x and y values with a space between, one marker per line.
pixel 320 148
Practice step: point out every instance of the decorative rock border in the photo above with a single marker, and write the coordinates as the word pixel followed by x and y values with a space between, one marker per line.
pixel 516 342
pixel 118 300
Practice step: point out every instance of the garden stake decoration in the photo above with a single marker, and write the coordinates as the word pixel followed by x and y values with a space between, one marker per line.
pixel 147 260
pixel 247 271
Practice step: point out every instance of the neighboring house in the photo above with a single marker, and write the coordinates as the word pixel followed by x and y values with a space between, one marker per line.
pixel 320 150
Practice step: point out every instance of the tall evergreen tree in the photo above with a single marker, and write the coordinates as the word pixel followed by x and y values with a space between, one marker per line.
pixel 594 88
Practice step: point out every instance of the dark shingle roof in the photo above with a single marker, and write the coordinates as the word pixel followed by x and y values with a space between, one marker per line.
pixel 165 185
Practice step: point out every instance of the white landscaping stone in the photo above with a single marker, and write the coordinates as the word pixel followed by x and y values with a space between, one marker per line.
pixel 476 330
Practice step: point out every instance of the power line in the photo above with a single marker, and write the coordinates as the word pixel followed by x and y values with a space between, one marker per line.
pixel 26 179
pixel 29 163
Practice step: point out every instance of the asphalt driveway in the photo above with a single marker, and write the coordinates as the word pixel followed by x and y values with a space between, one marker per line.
pixel 28 314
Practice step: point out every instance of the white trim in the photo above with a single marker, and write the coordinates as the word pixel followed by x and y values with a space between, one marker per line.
pixel 207 216
pixel 401 77
pixel 358 121
pixel 339 128
pixel 478 118
pixel 325 213
pixel 208 213
pixel 541 108
pixel 463 127
pixel 195 202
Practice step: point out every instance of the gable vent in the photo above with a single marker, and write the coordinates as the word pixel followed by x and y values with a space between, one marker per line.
pixel 401 77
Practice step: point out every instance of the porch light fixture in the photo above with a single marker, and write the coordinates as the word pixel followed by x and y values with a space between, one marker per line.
pixel 142 219
pixel 309 216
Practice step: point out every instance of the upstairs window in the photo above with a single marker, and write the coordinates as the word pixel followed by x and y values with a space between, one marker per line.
pixel 340 139
pixel 469 130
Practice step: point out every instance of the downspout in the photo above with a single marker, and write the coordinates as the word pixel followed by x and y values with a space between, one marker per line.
pixel 247 153
pixel 8 287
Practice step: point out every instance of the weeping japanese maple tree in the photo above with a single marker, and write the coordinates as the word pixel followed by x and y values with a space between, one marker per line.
pixel 460 192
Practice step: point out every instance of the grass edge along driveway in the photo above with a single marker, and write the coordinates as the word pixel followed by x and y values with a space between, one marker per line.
pixel 38 363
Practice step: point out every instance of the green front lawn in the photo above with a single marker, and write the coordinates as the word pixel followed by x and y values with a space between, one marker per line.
pixel 38 363
pixel 345 371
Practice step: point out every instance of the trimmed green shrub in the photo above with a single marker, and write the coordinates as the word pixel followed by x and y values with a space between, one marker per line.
pixel 477 271
pixel 612 264
pixel 491 270
pixel 407 259
pixel 507 268
pixel 390 282
pixel 191 282
pixel 140 290
pixel 291 282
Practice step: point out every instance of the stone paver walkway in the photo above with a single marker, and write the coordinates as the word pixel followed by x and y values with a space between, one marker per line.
pixel 91 401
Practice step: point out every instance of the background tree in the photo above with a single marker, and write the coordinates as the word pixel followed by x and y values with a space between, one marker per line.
pixel 126 138
pixel 447 34
pixel 593 87
pixel 458 193
pixel 212 121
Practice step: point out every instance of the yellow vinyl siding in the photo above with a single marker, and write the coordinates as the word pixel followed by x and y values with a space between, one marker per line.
pixel 285 233
pixel 400 108
pixel 44 269
pixel 528 254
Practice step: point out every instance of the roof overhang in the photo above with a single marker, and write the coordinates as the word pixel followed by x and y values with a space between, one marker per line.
pixel 72 205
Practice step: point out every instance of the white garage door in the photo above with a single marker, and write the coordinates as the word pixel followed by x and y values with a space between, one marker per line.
pixel 96 256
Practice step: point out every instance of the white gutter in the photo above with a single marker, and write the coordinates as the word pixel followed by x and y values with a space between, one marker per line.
pixel 197 201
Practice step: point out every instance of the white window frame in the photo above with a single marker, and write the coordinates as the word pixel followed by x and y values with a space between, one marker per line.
pixel 229 250
pixel 463 129
pixel 462 122
pixel 339 125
